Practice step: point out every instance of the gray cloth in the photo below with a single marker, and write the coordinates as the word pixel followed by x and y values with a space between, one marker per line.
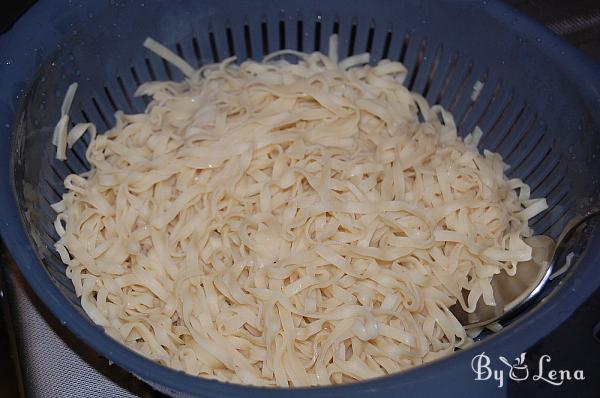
pixel 51 368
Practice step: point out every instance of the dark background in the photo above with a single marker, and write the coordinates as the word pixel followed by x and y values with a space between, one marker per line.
pixel 578 21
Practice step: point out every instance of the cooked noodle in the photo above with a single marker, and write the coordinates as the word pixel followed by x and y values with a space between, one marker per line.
pixel 288 224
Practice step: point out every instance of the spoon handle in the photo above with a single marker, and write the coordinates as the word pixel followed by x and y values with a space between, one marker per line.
pixel 571 227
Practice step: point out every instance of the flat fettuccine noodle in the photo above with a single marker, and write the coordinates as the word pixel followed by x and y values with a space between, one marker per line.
pixel 288 224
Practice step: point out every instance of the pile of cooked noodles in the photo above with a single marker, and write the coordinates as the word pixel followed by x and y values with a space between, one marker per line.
pixel 287 223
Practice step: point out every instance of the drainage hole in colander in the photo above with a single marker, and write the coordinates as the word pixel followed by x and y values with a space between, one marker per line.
pixel 265 37
pixel 230 44
pixel 386 45
pixel 213 46
pixel 352 40
pixel 300 35
pixel 281 34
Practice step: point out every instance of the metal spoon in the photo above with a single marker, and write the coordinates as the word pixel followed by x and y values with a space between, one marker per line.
pixel 515 293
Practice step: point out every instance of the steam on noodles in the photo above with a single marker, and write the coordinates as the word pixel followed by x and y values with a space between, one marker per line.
pixel 287 224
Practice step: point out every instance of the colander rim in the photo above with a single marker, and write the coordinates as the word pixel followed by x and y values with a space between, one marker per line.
pixel 549 314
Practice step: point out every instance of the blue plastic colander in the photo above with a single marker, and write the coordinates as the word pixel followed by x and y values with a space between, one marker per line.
pixel 539 107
